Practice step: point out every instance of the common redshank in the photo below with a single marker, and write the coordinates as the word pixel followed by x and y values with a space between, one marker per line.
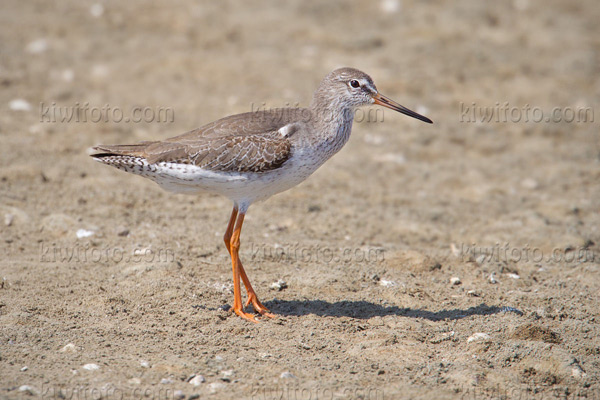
pixel 252 156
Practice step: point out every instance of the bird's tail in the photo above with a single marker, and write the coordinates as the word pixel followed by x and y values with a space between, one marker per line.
pixel 126 157
pixel 135 150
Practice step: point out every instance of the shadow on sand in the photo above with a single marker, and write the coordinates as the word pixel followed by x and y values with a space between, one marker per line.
pixel 364 310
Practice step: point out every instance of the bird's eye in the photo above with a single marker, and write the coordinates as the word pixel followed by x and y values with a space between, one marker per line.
pixel 354 83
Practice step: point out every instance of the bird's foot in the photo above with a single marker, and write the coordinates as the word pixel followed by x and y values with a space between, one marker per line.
pixel 258 307
pixel 245 315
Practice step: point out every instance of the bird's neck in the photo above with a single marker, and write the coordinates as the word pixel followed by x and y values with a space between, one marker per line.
pixel 332 122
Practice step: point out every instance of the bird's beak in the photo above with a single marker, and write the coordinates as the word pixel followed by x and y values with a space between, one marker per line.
pixel 389 103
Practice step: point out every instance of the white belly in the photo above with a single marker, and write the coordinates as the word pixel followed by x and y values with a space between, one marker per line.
pixel 243 188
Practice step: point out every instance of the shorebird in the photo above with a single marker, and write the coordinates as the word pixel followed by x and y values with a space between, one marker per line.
pixel 252 156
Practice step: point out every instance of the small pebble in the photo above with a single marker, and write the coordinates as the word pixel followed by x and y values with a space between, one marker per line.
pixel 197 380
pixel 91 367
pixel 513 276
pixel 27 389
pixel 279 285
pixel 455 280
pixel 577 372
pixel 19 105
pixel 123 232
pixel 144 364
pixel 166 381
pixel 228 373
pixel 493 280
pixel 25 368
pixel 69 348
pixel 287 375
pixel 83 233
pixel 478 337
pixel 8 219
pixel 386 283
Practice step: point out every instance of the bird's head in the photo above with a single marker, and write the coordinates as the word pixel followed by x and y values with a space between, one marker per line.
pixel 351 88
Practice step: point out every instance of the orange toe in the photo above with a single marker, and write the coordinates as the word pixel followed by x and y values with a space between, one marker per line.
pixel 245 315
pixel 258 307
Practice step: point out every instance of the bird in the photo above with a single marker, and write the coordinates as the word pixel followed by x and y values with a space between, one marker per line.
pixel 252 156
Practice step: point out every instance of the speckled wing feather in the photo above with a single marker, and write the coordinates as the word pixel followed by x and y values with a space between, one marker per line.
pixel 243 153
pixel 247 142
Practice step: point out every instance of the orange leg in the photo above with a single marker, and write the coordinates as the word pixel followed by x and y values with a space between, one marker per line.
pixel 232 242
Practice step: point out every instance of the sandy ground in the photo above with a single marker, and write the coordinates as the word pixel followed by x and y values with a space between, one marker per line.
pixel 454 260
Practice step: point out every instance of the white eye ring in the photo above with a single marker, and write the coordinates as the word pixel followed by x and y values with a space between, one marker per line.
pixel 354 83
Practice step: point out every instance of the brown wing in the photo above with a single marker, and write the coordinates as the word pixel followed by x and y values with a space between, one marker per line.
pixel 243 142
pixel 256 153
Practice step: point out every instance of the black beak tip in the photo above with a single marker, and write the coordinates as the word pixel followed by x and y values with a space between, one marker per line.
pixel 420 117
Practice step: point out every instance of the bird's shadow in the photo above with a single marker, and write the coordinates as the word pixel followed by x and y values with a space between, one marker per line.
pixel 364 310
